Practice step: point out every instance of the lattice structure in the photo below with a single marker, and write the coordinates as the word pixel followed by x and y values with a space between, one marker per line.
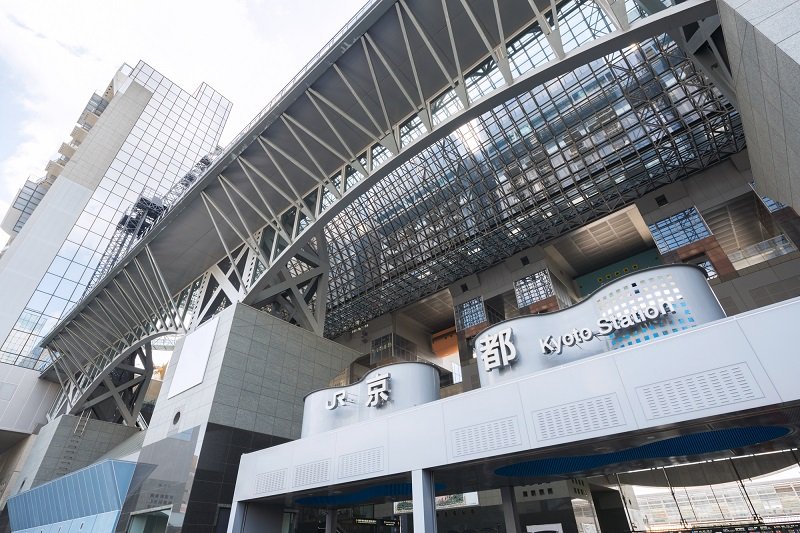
pixel 147 210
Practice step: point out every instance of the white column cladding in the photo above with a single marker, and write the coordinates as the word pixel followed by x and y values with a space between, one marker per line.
pixel 423 498
pixel 510 515
pixel 330 521
pixel 236 519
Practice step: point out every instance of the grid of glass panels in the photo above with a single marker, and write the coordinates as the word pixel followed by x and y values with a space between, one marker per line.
pixel 722 502
pixel 26 201
pixel 533 288
pixel 96 489
pixel 679 230
pixel 711 272
pixel 772 205
pixel 543 163
pixel 174 131
pixel 392 347
pixel 470 313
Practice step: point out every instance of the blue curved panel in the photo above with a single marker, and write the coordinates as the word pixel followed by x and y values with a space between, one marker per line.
pixel 685 445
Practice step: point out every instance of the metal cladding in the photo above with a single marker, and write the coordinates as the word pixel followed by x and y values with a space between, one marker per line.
pixel 382 391
pixel 639 308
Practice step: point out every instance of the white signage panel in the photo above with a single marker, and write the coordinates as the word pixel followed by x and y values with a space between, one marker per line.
pixel 641 307
pixel 381 391
pixel 193 358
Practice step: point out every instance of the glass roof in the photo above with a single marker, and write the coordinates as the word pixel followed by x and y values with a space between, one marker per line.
pixel 543 163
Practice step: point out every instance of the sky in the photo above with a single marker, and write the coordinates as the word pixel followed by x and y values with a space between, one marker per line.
pixel 55 54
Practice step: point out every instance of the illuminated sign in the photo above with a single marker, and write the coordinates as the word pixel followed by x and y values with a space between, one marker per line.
pixel 466 499
pixel 376 522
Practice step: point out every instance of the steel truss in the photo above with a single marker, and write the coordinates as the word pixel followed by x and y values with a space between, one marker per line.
pixel 103 366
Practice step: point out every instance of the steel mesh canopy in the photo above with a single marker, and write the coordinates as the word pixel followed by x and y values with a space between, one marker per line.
pixel 543 163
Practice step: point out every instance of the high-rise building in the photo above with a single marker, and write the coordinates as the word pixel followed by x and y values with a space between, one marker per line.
pixel 133 142
pixel 480 267
pixel 34 190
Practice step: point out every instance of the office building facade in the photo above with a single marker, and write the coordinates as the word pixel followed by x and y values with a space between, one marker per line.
pixel 153 135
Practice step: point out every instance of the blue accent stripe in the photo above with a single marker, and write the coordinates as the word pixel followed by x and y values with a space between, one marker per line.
pixel 694 444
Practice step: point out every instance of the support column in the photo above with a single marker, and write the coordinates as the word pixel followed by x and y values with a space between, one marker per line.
pixel 510 514
pixel 423 498
pixel 330 521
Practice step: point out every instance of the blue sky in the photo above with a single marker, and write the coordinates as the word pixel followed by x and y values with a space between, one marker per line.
pixel 55 54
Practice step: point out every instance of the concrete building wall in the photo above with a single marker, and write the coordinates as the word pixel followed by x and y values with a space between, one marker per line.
pixel 24 399
pixel 64 445
pixel 763 44
pixel 11 462
pixel 709 189
pixel 269 367
pixel 760 285
pixel 246 395
pixel 258 371
pixel 193 405
pixel 29 256
pixel 500 278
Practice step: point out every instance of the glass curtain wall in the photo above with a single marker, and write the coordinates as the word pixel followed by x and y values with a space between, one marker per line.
pixel 173 132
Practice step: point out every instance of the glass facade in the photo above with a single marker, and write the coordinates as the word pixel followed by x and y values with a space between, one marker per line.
pixel 718 503
pixel 470 313
pixel 533 288
pixel 191 476
pixel 175 130
pixel 96 492
pixel 26 201
pixel 391 347
pixel 679 230
pixel 544 162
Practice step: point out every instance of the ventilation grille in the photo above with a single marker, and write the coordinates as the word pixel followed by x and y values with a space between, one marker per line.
pixel 592 414
pixel 705 390
pixel 362 462
pixel 270 481
pixel 493 435
pixel 310 473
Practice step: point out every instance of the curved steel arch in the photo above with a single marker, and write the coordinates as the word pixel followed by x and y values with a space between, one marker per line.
pixel 651 26
pixel 114 392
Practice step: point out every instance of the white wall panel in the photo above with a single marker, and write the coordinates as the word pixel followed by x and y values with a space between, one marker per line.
pixel 594 397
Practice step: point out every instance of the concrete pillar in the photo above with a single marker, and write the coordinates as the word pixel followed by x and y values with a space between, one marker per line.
pixel 510 514
pixel 423 497
pixel 330 521
pixel 761 41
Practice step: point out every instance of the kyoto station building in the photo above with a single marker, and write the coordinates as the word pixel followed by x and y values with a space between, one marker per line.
pixel 480 267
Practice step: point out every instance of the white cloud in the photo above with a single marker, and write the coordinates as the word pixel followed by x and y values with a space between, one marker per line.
pixel 62 52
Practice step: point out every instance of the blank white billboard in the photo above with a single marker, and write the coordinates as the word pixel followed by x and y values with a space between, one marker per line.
pixel 193 360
